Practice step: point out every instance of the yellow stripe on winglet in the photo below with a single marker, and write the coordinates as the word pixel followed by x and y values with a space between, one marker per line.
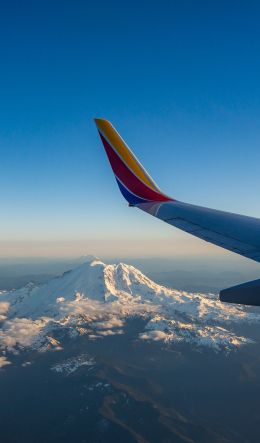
pixel 118 143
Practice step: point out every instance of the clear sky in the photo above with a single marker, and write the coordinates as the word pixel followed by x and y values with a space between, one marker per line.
pixel 180 82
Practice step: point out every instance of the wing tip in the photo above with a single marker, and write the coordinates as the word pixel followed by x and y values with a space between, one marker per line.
pixel 134 182
pixel 101 122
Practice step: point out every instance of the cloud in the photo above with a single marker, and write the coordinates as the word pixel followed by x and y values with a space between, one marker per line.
pixel 4 306
pixel 4 362
pixel 199 335
pixel 154 335
pixel 107 332
pixel 19 332
pixel 112 322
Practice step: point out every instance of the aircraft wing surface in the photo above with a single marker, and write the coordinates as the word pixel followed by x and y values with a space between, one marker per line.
pixel 237 233
pixel 234 232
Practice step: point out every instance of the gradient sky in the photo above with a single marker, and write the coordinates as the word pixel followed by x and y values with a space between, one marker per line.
pixel 180 82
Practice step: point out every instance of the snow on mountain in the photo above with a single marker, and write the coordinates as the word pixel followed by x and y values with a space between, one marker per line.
pixel 96 299
pixel 72 364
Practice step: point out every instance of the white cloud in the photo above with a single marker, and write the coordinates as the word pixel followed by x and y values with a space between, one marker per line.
pixel 4 362
pixel 112 322
pixel 60 299
pixel 19 332
pixel 4 306
pixel 106 332
pixel 154 335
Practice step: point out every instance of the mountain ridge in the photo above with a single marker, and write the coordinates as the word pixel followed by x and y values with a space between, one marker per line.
pixel 96 299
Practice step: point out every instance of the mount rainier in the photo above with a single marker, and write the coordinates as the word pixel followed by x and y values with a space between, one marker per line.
pixel 96 299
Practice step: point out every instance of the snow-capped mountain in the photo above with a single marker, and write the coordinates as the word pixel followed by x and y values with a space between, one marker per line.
pixel 96 299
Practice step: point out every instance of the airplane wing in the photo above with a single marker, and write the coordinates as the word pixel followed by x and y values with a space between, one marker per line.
pixel 235 232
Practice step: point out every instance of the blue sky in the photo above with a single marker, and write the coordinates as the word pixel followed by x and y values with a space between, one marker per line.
pixel 178 79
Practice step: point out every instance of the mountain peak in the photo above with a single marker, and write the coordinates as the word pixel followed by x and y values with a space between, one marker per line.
pixel 100 297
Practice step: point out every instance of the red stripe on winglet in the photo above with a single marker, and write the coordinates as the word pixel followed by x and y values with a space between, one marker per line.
pixel 127 177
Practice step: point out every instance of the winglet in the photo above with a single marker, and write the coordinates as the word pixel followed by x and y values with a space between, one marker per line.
pixel 134 182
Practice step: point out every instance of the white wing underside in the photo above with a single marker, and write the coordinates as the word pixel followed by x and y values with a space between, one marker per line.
pixel 237 233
